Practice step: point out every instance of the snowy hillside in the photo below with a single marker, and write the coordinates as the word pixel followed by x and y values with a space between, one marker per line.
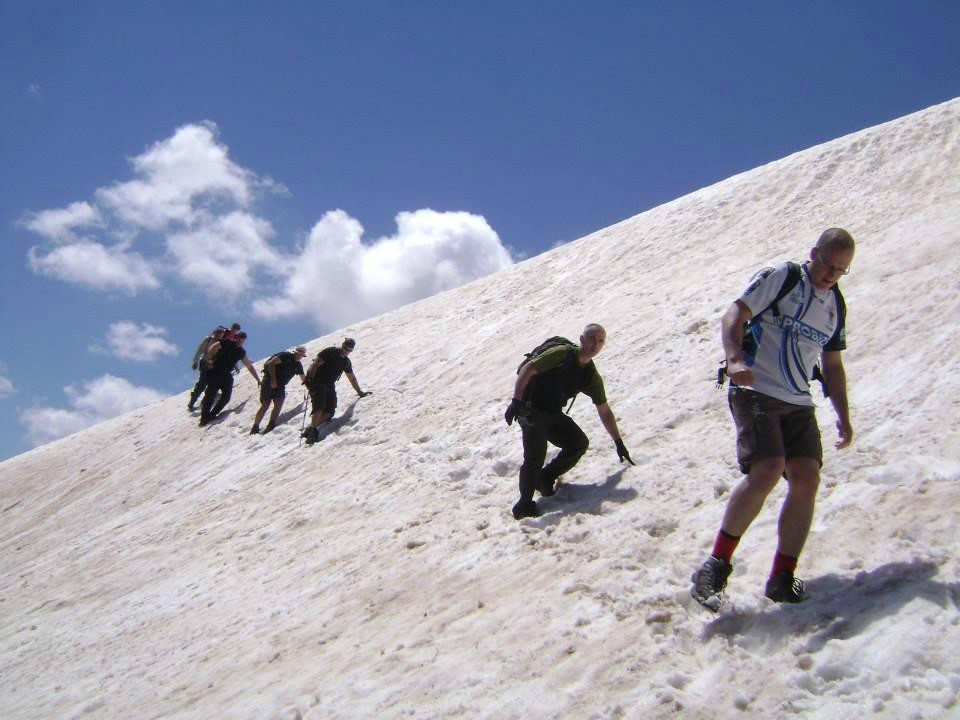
pixel 153 569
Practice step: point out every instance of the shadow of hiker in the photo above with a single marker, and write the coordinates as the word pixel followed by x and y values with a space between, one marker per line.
pixel 334 424
pixel 293 412
pixel 233 409
pixel 842 607
pixel 586 499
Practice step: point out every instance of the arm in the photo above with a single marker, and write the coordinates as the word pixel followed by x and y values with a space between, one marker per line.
pixel 523 379
pixel 836 379
pixel 270 366
pixel 609 421
pixel 731 333
pixel 249 366
pixel 211 353
pixel 201 351
pixel 353 381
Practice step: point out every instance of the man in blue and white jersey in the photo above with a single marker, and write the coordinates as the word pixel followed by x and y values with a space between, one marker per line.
pixel 777 432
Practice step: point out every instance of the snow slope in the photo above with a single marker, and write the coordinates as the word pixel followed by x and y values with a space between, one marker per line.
pixel 153 569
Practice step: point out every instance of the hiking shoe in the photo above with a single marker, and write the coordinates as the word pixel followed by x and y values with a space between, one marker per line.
pixel 191 407
pixel 255 430
pixel 547 487
pixel 269 427
pixel 204 421
pixel 709 582
pixel 525 508
pixel 784 587
pixel 312 435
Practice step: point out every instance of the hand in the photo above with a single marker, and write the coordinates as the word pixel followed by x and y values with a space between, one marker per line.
pixel 845 431
pixel 194 366
pixel 622 452
pixel 513 409
pixel 739 373
pixel 364 393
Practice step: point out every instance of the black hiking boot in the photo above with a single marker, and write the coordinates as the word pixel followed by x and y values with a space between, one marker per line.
pixel 204 420
pixel 269 427
pixel 784 587
pixel 255 430
pixel 190 406
pixel 709 582
pixel 547 486
pixel 312 434
pixel 525 508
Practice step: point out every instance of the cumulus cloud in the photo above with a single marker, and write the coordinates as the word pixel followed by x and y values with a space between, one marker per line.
pixel 58 225
pixel 140 343
pixel 195 202
pixel 338 279
pixel 6 387
pixel 96 266
pixel 220 256
pixel 179 179
pixel 185 189
pixel 98 400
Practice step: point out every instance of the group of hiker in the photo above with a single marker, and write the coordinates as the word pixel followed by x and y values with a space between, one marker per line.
pixel 786 329
pixel 216 361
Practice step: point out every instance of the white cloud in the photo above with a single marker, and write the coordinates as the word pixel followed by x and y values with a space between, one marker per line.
pixel 96 266
pixel 140 343
pixel 6 387
pixel 221 255
pixel 98 400
pixel 337 279
pixel 58 224
pixel 180 179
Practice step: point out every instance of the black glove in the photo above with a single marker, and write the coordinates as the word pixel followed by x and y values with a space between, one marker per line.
pixel 515 408
pixel 623 453
pixel 364 393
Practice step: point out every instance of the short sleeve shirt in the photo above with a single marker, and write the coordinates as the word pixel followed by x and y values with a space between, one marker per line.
pixel 789 345
pixel 334 364
pixel 228 355
pixel 554 359
pixel 287 368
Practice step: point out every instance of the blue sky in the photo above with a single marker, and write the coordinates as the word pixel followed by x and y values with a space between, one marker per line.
pixel 296 166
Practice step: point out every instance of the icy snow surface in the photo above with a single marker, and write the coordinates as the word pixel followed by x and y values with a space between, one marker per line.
pixel 153 569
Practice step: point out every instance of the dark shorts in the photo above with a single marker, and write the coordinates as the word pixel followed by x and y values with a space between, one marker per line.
pixel 323 399
pixel 268 393
pixel 771 428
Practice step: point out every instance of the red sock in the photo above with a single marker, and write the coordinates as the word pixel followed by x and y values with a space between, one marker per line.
pixel 783 562
pixel 724 545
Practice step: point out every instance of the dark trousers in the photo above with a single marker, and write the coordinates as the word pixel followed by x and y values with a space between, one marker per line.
pixel 557 429
pixel 201 383
pixel 216 383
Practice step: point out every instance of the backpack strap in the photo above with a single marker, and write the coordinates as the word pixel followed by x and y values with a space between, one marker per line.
pixel 794 273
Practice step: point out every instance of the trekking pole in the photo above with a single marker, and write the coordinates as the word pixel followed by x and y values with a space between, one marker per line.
pixel 304 423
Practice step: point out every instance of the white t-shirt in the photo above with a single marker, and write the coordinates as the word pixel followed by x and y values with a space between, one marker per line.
pixel 789 345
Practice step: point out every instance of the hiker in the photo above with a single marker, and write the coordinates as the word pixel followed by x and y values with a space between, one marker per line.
pixel 770 363
pixel 232 333
pixel 321 381
pixel 201 366
pixel 544 384
pixel 220 359
pixel 277 372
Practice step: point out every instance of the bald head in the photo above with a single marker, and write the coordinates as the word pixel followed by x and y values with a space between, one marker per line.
pixel 835 240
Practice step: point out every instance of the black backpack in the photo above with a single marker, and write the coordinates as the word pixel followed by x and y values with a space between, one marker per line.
pixel 569 363
pixel 794 273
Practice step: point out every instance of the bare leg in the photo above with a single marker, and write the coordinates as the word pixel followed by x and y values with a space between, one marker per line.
pixel 796 515
pixel 748 496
